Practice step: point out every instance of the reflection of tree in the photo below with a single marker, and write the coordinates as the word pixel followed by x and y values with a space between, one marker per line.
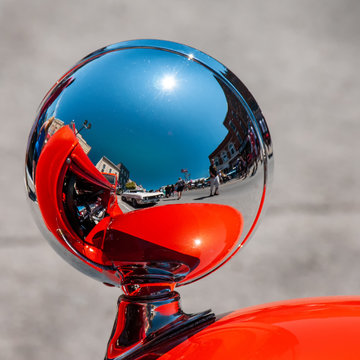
pixel 130 185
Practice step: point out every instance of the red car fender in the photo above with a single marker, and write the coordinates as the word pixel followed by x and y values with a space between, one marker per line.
pixel 312 329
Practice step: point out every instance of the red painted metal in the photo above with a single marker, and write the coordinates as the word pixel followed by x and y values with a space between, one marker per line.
pixel 312 329
pixel 198 235
pixel 61 154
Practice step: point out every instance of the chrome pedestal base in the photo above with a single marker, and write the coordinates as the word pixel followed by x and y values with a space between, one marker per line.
pixel 144 325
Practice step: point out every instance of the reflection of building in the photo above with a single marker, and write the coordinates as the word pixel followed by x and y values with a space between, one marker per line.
pixel 123 175
pixel 241 139
pixel 107 166
pixel 85 146
pixel 58 124
pixel 236 122
pixel 55 126
pixel 254 108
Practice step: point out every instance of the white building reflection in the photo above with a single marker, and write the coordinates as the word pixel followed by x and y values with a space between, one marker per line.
pixel 58 124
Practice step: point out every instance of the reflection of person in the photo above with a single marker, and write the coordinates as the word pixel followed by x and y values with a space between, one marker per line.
pixel 168 191
pixel 214 178
pixel 254 152
pixel 240 166
pixel 180 187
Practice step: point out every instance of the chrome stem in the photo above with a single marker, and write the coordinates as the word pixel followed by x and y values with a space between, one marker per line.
pixel 144 322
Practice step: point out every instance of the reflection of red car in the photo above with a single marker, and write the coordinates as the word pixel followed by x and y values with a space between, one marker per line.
pixel 113 208
pixel 79 206
pixel 75 199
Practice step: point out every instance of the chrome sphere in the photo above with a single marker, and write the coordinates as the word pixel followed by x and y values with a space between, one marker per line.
pixel 148 161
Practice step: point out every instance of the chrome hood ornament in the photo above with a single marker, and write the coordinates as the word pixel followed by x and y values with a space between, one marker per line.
pixel 148 165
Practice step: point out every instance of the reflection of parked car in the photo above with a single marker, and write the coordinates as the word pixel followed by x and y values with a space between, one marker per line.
pixel 140 197
pixel 231 174
pixel 158 192
pixel 207 182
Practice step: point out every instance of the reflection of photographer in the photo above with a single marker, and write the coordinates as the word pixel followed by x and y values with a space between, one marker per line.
pixel 214 178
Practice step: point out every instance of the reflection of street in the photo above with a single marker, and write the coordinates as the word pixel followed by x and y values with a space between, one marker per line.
pixel 127 206
pixel 235 193
pixel 232 193
pixel 227 195
pixel 124 206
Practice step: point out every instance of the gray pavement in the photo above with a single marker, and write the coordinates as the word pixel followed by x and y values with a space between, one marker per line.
pixel 298 58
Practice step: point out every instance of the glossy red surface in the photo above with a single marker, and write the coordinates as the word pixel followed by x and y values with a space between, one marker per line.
pixel 51 170
pixel 182 239
pixel 50 167
pixel 198 235
pixel 257 217
pixel 312 329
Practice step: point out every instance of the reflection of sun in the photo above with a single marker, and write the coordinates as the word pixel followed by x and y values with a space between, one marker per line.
pixel 197 242
pixel 168 82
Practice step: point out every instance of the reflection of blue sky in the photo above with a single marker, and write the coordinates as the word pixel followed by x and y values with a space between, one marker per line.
pixel 154 111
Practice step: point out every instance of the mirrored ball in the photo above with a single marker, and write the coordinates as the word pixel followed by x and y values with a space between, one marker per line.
pixel 148 161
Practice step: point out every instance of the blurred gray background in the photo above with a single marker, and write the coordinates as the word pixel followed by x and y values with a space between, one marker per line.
pixel 300 59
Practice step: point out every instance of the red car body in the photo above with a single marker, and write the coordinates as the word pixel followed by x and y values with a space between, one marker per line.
pixel 325 328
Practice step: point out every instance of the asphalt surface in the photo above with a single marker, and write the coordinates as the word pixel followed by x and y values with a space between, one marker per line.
pixel 300 60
